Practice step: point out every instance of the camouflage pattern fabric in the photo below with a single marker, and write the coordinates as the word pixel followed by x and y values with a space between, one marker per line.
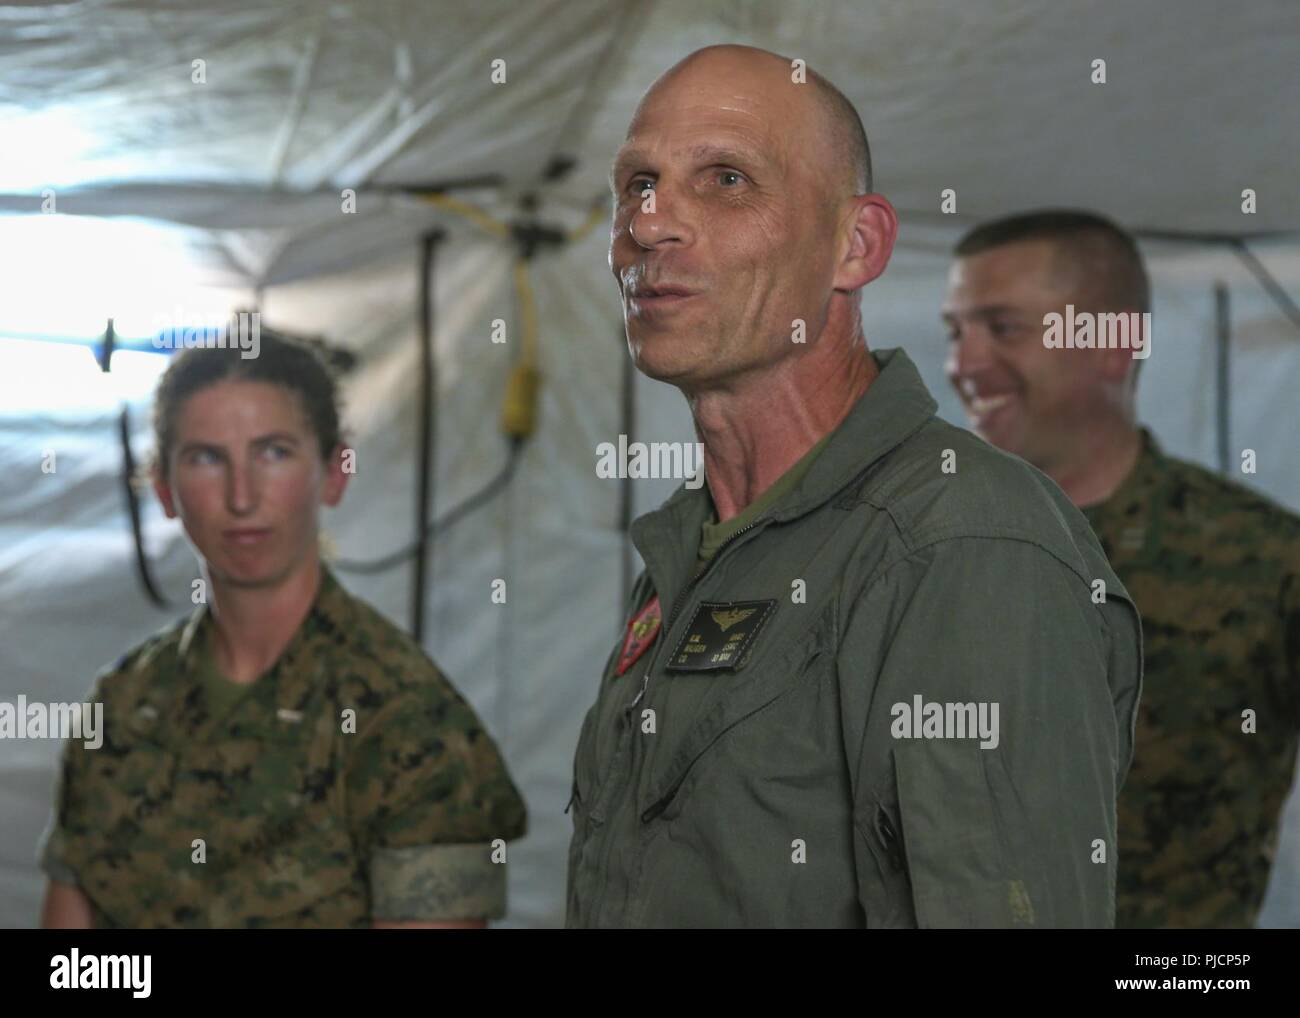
pixel 301 813
pixel 1215 572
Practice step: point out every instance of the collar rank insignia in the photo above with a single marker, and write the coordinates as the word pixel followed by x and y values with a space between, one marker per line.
pixel 720 636
pixel 641 632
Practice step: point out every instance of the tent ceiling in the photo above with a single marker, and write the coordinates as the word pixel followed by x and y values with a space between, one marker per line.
pixel 303 99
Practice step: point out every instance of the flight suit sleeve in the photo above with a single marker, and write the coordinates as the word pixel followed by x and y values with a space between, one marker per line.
pixel 431 805
pixel 1011 823
pixel 1289 611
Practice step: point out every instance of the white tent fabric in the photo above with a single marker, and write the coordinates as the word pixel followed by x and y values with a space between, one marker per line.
pixel 302 101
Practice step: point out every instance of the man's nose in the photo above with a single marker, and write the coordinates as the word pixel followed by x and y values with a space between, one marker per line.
pixel 969 354
pixel 661 218
pixel 241 489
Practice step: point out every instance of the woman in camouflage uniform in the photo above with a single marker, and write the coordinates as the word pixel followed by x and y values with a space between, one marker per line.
pixel 286 756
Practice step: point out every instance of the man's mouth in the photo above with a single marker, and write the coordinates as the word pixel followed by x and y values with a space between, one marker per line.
pixel 983 406
pixel 246 535
pixel 661 296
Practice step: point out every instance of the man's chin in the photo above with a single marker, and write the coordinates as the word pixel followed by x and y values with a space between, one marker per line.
pixel 665 360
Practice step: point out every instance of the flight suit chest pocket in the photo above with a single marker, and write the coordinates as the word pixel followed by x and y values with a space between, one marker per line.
pixel 761 723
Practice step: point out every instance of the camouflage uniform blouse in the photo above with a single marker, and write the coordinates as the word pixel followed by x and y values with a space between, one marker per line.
pixel 349 783
pixel 1215 572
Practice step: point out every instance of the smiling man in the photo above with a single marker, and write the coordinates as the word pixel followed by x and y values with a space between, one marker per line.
pixel 1213 566
pixel 786 734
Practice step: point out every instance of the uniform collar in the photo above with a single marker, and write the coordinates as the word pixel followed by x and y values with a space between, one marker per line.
pixel 303 662
pixel 895 406
pixel 1126 522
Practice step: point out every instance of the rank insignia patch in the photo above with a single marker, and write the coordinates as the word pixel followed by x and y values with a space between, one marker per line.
pixel 720 635
pixel 641 632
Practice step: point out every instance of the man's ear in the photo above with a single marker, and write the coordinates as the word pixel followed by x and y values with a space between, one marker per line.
pixel 164 491
pixel 339 469
pixel 872 227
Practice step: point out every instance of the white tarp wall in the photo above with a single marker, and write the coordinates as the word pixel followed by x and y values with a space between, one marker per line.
pixel 529 666
pixel 993 100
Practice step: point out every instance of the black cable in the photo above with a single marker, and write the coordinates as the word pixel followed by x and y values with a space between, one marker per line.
pixel 485 494
pixel 105 357
pixel 133 511
pixel 1223 373
pixel 424 453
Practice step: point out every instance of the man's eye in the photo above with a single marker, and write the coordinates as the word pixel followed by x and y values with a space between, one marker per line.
pixel 640 185
pixel 278 452
pixel 729 178
pixel 202 457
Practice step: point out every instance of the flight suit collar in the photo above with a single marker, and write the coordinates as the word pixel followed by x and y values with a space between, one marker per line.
pixel 895 406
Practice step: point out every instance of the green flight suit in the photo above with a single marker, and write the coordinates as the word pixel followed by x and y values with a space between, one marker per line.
pixel 1215 571
pixel 756 765
pixel 349 783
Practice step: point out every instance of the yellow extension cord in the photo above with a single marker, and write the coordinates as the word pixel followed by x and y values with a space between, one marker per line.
pixel 519 408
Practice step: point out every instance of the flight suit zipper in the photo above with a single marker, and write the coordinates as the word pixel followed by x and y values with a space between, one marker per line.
pixel 678 604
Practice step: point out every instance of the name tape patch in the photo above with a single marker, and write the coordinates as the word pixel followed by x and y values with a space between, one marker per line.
pixel 719 635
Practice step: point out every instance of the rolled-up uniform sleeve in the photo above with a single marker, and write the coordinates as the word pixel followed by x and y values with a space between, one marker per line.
pixel 431 803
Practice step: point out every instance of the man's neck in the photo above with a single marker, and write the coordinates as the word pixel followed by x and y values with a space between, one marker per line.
pixel 1099 463
pixel 253 625
pixel 752 434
